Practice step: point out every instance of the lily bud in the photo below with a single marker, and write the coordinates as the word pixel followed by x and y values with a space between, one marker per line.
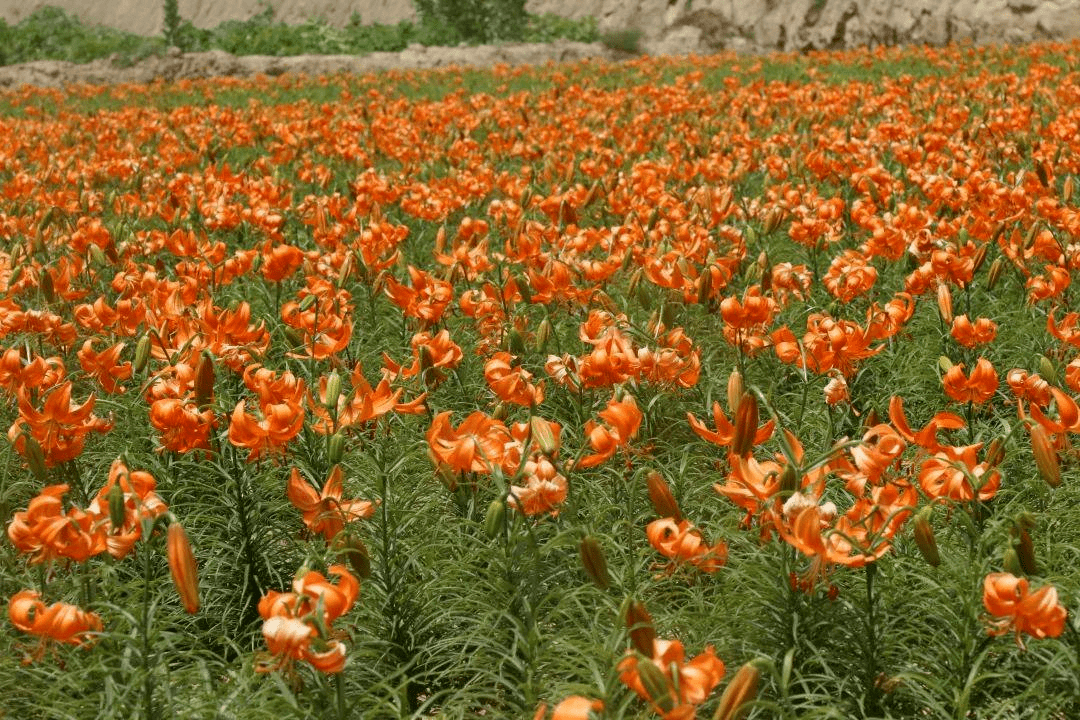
pixel 345 271
pixel 1025 551
pixel 495 519
pixel 333 390
pixel 746 423
pixel 735 390
pixel 924 537
pixel 307 302
pixel 1067 190
pixel 501 411
pixel 1046 458
pixel 996 268
pixel 117 511
pixel 1011 562
pixel 543 334
pixel 980 257
pixel 543 435
pixel 142 354
pixel 944 363
pixel 355 553
pixel 741 690
pixel 995 452
pixel 640 625
pixel 944 303
pixel 185 572
pixel 1047 369
pixel 97 257
pixel 655 683
pixel 594 562
pixel 773 220
pixel 35 457
pixel 789 480
pixel 663 501
pixel 515 342
pixel 48 290
pixel 204 381
pixel 704 287
pixel 335 448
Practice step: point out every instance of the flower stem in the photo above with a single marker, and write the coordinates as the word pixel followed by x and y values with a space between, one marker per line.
pixel 148 680
pixel 871 643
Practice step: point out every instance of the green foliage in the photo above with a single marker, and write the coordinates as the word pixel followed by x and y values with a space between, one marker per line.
pixel 52 34
pixel 477 20
pixel 626 40
pixel 172 21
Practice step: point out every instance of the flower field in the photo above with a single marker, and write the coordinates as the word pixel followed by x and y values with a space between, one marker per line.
pixel 722 387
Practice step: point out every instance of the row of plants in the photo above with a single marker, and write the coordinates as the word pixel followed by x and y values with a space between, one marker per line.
pixel 50 33
pixel 725 387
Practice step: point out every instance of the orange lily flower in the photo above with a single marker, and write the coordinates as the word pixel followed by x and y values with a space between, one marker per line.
pixel 1014 607
pixel 59 622
pixel 725 430
pixel 297 624
pixel 976 388
pixel 544 490
pixel 686 684
pixel 60 428
pixel 681 542
pixel 982 332
pixel 104 366
pixel 623 420
pixel 325 512
pixel 45 531
pixel 139 501
pixel 280 423
pixel 478 445
pixel 511 384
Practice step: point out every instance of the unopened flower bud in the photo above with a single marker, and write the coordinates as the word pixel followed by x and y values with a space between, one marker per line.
pixel 307 303
pixel 789 480
pixel 142 354
pixel 333 390
pixel 335 448
pixel 944 303
pixel 355 553
pixel 515 342
pixel 204 381
pixel 185 572
pixel 996 268
pixel 1046 458
pixel 944 363
pixel 544 435
pixel 773 220
pixel 495 519
pixel 97 257
pixel 995 452
pixel 1047 369
pixel 1067 190
pixel 980 257
pixel 543 334
pixel 1025 551
pixel 924 537
pixel 117 511
pixel 740 691
pixel 640 626
pixel 35 457
pixel 663 501
pixel 1011 563
pixel 746 422
pixel 655 683
pixel 594 562
pixel 501 411
pixel 704 287
pixel 735 390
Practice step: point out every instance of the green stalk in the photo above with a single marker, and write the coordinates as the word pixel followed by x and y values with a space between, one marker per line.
pixel 871 642
pixel 148 680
